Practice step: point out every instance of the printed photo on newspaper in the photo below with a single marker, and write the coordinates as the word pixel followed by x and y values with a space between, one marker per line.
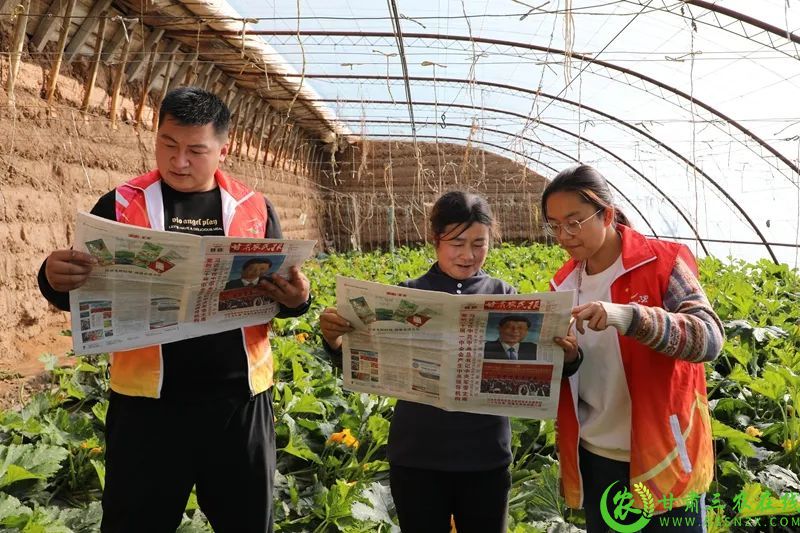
pixel 490 354
pixel 151 287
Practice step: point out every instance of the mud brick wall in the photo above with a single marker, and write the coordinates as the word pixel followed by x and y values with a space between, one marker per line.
pixel 54 163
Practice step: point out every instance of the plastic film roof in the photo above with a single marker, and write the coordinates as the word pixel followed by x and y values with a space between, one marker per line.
pixel 691 109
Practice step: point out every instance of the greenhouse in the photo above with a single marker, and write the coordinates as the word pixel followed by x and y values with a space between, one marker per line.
pixel 627 173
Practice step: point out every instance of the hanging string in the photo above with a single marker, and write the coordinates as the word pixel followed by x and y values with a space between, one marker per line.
pixel 569 41
pixel 303 70
pixel 692 31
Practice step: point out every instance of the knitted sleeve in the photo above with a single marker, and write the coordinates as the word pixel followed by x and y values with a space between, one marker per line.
pixel 687 327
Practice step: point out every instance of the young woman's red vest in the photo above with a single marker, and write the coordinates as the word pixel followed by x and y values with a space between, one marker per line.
pixel 671 441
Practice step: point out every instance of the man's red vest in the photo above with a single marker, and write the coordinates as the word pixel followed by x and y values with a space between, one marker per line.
pixel 140 372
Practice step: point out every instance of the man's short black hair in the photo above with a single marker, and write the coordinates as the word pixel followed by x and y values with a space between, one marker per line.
pixel 193 106
pixel 256 261
pixel 514 318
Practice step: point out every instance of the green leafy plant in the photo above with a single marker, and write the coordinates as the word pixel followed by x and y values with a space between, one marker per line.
pixel 332 467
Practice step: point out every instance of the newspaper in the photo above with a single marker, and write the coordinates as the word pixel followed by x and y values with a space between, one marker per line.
pixel 151 287
pixel 452 351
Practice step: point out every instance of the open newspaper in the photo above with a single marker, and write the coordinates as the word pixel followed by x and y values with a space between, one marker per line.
pixel 151 287
pixel 489 353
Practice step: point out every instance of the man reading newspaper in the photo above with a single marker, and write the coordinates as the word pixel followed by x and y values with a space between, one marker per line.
pixel 197 411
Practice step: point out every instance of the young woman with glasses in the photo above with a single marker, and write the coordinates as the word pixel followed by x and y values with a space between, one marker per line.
pixel 634 413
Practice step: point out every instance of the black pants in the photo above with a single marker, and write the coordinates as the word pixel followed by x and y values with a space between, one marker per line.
pixel 599 472
pixel 157 450
pixel 425 499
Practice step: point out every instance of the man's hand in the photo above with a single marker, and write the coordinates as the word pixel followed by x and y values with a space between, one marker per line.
pixel 290 293
pixel 333 326
pixel 66 270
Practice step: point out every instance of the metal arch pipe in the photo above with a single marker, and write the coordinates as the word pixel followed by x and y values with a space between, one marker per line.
pixel 526 156
pixel 326 123
pixel 628 125
pixel 543 145
pixel 589 141
pixel 526 46
pixel 747 19
pixel 390 121
pixel 485 143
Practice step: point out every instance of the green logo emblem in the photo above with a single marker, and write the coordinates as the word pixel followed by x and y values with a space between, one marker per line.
pixel 622 502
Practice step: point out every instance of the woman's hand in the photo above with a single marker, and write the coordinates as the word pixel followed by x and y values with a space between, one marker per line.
pixel 593 313
pixel 569 344
pixel 333 326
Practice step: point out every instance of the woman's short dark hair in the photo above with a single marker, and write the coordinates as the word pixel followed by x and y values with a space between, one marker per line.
pixel 193 106
pixel 590 185
pixel 459 207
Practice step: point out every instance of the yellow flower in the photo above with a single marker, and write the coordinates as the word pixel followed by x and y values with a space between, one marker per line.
pixel 96 451
pixel 790 444
pixel 85 445
pixel 301 337
pixel 345 437
pixel 753 431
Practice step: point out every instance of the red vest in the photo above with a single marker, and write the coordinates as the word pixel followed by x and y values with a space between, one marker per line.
pixel 671 441
pixel 139 202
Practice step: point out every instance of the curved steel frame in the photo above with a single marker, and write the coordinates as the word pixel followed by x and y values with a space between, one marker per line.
pixel 516 44
pixel 626 124
pixel 584 139
pixel 528 157
pixel 657 93
pixel 741 17
pixel 674 237
pixel 534 141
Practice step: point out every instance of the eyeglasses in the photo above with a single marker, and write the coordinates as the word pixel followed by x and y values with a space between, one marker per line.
pixel 572 227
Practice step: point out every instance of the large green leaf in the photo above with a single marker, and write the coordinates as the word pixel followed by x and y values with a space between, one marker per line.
pixel 42 461
pixel 196 524
pixel 779 480
pixel 737 440
pixel 306 403
pixel 772 385
pixel 12 513
pixel 756 501
pixel 100 410
pixel 15 423
pixel 45 520
pixel 16 473
pixel 379 429
pixel 66 427
pixel 297 445
pixel 378 507
pixel 100 469
pixel 83 519
pixel 541 497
